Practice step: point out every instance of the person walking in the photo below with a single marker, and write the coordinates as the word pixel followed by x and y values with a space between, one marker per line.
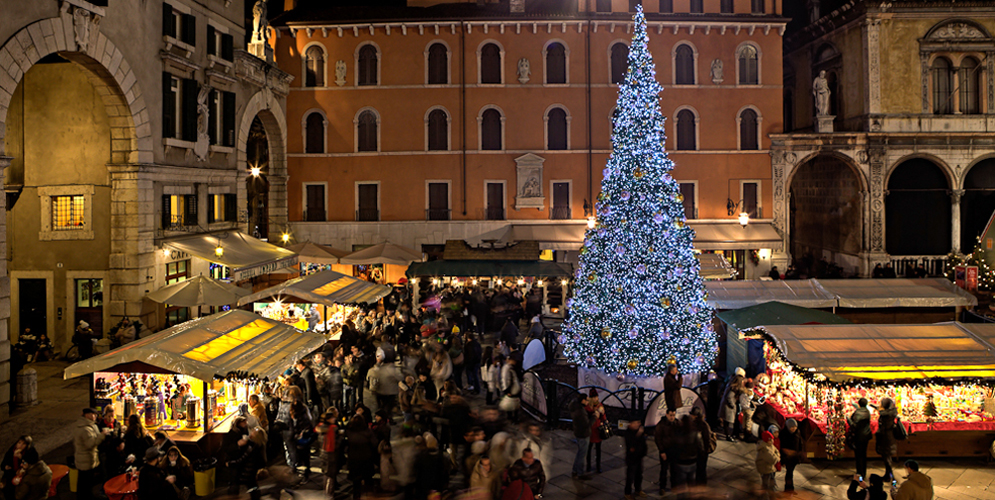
pixel 792 447
pixel 473 354
pixel 860 425
pixel 665 436
pixel 768 461
pixel 86 438
pixel 597 412
pixel 688 447
pixel 917 486
pixel 361 450
pixel 730 400
pixel 635 450
pixel 490 374
pixel 885 443
pixel 708 441
pixel 582 432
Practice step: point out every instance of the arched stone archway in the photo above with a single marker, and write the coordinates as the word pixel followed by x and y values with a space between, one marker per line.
pixel 826 214
pixel 917 209
pixel 977 202
pixel 264 105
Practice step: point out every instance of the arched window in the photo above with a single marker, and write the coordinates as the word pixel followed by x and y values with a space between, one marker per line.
pixel 748 130
pixel 315 133
pixel 749 73
pixel 969 74
pixel 314 67
pixel 368 65
pixel 686 131
pixel 684 65
pixel 366 131
pixel 620 62
pixel 490 130
pixel 438 64
pixel 726 7
pixel 490 63
pixel 556 63
pixel 697 6
pixel 556 129
pixel 942 86
pixel 758 7
pixel 438 131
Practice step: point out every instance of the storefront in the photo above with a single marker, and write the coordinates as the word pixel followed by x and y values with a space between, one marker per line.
pixel 941 377
pixel 220 359
pixel 318 302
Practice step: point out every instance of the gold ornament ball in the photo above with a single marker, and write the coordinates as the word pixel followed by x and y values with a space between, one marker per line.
pixel 606 334
pixel 638 174
pixel 632 364
pixel 592 277
pixel 665 302
pixel 679 224
pixel 680 197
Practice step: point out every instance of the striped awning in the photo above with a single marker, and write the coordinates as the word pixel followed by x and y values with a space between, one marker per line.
pixel 325 287
pixel 212 346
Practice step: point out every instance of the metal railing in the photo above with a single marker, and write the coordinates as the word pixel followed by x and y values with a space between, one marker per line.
pixel 367 215
pixel 935 265
pixel 559 213
pixel 438 214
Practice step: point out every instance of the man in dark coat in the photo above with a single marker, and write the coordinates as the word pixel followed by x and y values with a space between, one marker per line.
pixel 884 439
pixel 582 431
pixel 665 436
pixel 311 394
pixel 473 354
pixel 530 470
pixel 860 425
pixel 792 445
pixel 153 484
pixel 672 388
pixel 635 450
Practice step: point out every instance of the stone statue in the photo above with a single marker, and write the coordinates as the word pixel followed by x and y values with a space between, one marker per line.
pixel 524 71
pixel 203 118
pixel 717 71
pixel 531 188
pixel 340 72
pixel 81 27
pixel 259 21
pixel 820 89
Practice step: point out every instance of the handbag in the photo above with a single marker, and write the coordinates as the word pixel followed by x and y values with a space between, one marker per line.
pixel 899 430
pixel 604 430
pixel 509 403
pixel 307 439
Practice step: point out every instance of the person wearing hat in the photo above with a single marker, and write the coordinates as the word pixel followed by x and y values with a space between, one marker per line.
pixel 767 461
pixel 84 339
pixel 792 447
pixel 730 401
pixel 86 438
pixel 153 483
pixel 597 412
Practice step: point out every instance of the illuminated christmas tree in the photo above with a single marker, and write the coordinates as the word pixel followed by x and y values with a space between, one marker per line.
pixel 639 301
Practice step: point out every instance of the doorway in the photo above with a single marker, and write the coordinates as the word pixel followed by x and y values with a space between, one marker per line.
pixel 33 305
pixel 90 303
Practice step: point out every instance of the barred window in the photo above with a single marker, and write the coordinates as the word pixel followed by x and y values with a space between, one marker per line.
pixel 67 212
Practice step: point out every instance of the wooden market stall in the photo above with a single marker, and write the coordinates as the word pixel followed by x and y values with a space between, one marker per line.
pixel 941 377
pixel 221 359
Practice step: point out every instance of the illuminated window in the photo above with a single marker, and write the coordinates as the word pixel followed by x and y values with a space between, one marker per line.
pixel 179 210
pixel 67 212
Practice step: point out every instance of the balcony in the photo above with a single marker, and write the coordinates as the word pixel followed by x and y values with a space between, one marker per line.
pixel 559 213
pixel 438 214
pixel 368 215
pixel 905 265
pixel 494 213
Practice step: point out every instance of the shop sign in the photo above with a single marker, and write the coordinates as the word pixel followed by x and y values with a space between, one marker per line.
pixel 275 265
pixel 966 277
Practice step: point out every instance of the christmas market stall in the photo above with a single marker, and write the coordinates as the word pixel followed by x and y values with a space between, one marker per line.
pixel 940 376
pixel 189 380
pixel 319 302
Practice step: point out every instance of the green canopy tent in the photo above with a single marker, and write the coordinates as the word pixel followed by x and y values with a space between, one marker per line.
pixel 746 351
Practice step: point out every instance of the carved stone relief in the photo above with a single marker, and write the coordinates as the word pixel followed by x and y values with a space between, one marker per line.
pixel 340 69
pixel 529 189
pixel 876 159
pixel 957 31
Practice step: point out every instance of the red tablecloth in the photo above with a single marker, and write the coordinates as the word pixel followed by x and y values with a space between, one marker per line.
pixel 121 488
pixel 913 427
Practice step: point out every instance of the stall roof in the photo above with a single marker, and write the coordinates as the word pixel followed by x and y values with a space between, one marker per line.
pixel 709 235
pixel 715 267
pixel 778 313
pixel 738 294
pixel 216 345
pixel 246 256
pixel 324 287
pixel 890 352
pixel 931 292
pixel 501 268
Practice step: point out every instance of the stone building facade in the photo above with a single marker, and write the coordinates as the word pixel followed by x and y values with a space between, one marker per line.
pixel 905 175
pixel 109 142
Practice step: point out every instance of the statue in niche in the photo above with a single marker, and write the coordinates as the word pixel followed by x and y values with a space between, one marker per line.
pixel 524 71
pixel 820 89
pixel 340 72
pixel 259 21
pixel 203 118
pixel 717 71
pixel 81 27
pixel 531 188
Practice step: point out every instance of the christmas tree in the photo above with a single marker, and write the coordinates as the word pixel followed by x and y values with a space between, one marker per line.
pixel 639 302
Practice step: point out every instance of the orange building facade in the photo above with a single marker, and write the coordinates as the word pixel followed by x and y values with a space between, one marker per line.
pixel 448 121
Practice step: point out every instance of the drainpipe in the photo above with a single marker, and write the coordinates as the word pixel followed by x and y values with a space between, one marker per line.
pixel 590 147
pixel 462 108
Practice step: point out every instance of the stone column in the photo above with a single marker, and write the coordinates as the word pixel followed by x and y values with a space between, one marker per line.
pixel 5 375
pixel 132 261
pixel 955 197
pixel 782 162
pixel 875 249
pixel 872 65
pixel 277 204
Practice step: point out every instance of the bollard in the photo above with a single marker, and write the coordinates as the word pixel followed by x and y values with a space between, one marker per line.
pixel 27 387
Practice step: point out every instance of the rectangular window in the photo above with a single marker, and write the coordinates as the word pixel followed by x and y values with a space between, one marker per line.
pixel 314 205
pixel 214 117
pixel 438 201
pixel 220 272
pixel 690 208
pixel 603 6
pixel 726 7
pixel 175 273
pixel 223 208
pixel 179 210
pixel 758 6
pixel 561 201
pixel 697 6
pixel 189 33
pixel 633 4
pixel 188 109
pixel 89 292
pixel 228 119
pixel 67 212
pixel 213 40
pixel 368 202
pixel 168 21
pixel 170 105
pixel 220 44
pixel 495 201
pixel 751 199
pixel 666 6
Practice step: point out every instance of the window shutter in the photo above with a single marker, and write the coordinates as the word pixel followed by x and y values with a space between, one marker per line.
pixel 228 47
pixel 190 29
pixel 231 207
pixel 189 113
pixel 212 113
pixel 210 208
pixel 168 107
pixel 212 45
pixel 190 216
pixel 166 216
pixel 228 119
pixel 168 29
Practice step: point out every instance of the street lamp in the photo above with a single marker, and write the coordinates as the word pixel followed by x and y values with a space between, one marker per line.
pixel 744 219
pixel 255 171
pixel 590 222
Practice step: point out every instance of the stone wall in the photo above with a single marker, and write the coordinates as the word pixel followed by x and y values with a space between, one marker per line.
pixel 826 209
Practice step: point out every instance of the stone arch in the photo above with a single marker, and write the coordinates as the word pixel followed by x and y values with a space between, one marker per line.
pixel 953 181
pixel 977 202
pixel 917 207
pixel 109 73
pixel 266 106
